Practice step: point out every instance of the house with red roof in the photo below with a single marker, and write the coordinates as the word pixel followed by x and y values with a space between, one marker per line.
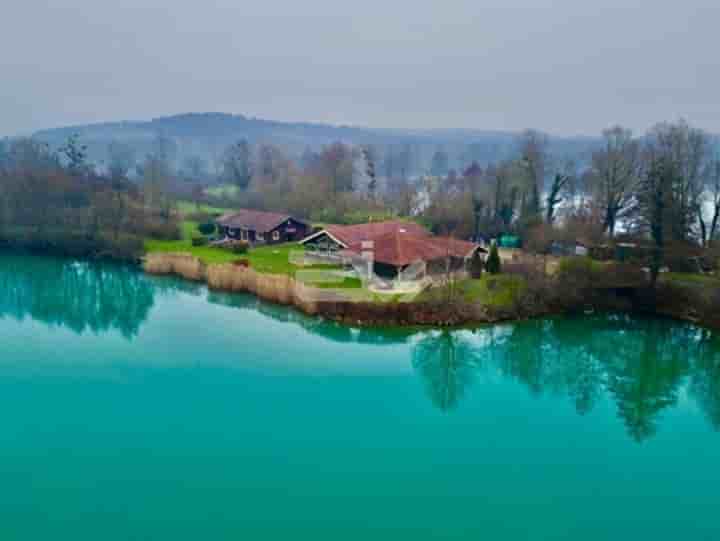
pixel 393 247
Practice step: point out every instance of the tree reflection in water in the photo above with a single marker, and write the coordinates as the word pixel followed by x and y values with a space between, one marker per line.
pixel 643 366
pixel 79 296
pixel 448 363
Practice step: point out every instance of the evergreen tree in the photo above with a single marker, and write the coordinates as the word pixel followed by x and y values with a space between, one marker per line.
pixel 493 264
pixel 476 266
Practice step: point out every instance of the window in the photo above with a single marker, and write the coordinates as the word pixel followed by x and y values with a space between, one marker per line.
pixel 260 237
pixel 276 235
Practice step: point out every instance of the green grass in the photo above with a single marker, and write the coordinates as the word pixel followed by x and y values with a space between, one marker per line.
pixel 347 283
pixel 498 290
pixel 266 259
pixel 271 259
pixel 224 190
pixel 188 207
pixel 188 229
pixel 690 278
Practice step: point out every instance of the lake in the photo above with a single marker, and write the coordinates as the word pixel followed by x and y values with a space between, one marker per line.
pixel 139 407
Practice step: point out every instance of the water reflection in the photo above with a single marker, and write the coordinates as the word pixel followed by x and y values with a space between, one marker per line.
pixel 78 296
pixel 448 363
pixel 645 368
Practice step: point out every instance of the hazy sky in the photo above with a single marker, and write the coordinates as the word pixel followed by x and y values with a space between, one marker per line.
pixel 565 66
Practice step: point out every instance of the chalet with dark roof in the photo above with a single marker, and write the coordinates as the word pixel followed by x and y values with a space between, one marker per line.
pixel 258 227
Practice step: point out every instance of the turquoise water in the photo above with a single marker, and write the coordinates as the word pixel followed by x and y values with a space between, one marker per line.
pixel 148 408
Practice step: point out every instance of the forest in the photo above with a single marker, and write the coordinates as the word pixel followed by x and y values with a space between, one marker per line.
pixel 661 188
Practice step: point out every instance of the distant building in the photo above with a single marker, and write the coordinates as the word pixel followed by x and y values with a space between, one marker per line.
pixel 257 227
pixel 563 248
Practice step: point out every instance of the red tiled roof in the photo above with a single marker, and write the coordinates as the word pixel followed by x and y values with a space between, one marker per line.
pixel 399 248
pixel 256 220
pixel 351 234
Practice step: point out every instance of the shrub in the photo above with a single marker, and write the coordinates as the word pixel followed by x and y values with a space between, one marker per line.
pixel 575 266
pixel 200 241
pixel 476 266
pixel 159 230
pixel 493 265
pixel 681 263
pixel 240 247
pixel 200 217
pixel 125 247
pixel 207 228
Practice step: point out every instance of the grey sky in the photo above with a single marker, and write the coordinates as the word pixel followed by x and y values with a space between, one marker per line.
pixel 565 66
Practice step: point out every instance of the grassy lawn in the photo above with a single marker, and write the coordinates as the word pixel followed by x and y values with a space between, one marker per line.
pixel 188 229
pixel 267 259
pixel 273 259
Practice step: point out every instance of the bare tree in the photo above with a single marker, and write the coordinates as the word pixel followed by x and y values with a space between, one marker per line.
pixel 237 164
pixel 707 202
pixel 614 175
pixel 556 195
pixel 710 200
pixel 534 158
pixel 685 150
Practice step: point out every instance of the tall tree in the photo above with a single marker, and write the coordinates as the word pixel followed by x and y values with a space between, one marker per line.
pixel 557 192
pixel 474 181
pixel 156 175
pixel 369 157
pixel 708 206
pixel 534 157
pixel 336 166
pixel 615 172
pixel 654 201
pixel 238 165
pixel 684 150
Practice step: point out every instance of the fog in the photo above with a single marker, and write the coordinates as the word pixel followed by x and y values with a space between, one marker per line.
pixel 565 66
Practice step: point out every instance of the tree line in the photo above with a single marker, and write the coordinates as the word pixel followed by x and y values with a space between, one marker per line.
pixel 54 199
pixel 663 186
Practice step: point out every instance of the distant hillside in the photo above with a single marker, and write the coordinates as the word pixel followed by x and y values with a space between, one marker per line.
pixel 207 134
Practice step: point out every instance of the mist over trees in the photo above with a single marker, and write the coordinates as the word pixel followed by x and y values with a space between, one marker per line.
pixel 663 186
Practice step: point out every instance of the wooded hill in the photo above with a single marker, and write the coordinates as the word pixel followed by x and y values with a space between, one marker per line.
pixel 206 135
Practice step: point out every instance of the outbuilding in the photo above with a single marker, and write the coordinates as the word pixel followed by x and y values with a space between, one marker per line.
pixel 258 227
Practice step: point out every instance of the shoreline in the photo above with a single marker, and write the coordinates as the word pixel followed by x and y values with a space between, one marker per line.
pixel 285 290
